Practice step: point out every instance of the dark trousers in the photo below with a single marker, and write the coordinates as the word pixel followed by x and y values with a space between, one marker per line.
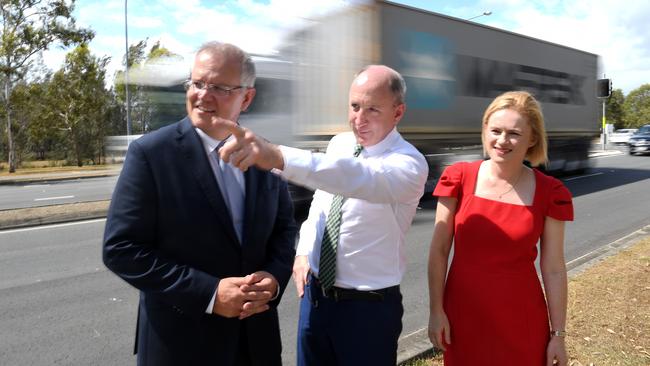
pixel 243 355
pixel 348 331
pixel 157 355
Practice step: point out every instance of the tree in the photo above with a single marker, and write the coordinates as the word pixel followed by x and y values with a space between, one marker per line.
pixel 145 106
pixel 26 107
pixel 158 52
pixel 29 101
pixel 637 106
pixel 166 96
pixel 136 98
pixel 79 103
pixel 28 28
pixel 115 117
pixel 19 121
pixel 614 109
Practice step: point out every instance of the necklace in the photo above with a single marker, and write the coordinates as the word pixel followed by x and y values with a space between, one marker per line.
pixel 513 185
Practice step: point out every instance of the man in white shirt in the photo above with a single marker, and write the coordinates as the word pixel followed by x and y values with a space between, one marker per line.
pixel 355 320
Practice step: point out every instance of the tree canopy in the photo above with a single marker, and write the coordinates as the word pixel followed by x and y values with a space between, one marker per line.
pixel 29 27
pixel 637 106
pixel 79 103
pixel 614 109
pixel 146 109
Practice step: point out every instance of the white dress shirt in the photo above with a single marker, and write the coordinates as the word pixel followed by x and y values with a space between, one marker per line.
pixel 382 187
pixel 209 145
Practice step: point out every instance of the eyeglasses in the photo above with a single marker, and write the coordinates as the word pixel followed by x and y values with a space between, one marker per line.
pixel 219 90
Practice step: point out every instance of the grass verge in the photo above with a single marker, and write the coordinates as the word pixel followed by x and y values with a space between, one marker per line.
pixel 39 167
pixel 608 312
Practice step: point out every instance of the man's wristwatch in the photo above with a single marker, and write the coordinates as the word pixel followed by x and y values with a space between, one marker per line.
pixel 558 333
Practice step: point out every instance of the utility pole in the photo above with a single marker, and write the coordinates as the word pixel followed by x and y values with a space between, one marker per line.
pixel 604 125
pixel 126 72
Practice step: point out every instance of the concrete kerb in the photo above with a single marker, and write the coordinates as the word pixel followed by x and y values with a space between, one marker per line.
pixel 580 264
pixel 53 214
pixel 417 344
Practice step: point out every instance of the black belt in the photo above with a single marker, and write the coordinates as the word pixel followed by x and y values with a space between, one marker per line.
pixel 342 294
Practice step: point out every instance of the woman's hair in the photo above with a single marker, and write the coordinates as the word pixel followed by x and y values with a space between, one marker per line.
pixel 526 105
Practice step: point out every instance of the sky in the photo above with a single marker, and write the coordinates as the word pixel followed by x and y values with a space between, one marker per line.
pixel 617 31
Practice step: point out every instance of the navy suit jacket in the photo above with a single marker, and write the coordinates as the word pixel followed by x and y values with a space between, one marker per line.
pixel 169 234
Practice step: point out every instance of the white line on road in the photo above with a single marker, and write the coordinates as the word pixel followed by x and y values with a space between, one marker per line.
pixel 52 226
pixel 53 198
pixel 584 176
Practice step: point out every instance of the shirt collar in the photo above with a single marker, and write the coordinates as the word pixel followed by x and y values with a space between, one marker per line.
pixel 209 143
pixel 383 145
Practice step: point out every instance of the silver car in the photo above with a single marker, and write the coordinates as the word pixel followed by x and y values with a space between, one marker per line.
pixel 640 141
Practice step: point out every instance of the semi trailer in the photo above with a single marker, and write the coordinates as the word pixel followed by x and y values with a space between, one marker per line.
pixel 453 69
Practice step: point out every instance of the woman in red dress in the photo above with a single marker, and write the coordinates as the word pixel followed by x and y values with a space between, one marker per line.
pixel 490 309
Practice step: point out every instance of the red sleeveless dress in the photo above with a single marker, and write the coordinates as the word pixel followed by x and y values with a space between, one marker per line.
pixel 493 297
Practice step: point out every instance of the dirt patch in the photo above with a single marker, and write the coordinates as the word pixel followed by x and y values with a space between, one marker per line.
pixel 52 214
pixel 608 312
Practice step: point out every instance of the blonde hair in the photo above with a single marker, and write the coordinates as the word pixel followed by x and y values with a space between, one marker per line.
pixel 525 104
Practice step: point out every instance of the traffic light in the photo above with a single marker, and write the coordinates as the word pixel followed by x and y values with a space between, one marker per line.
pixel 603 88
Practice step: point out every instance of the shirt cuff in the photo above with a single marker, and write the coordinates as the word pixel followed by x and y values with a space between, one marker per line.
pixel 277 291
pixel 208 310
pixel 304 248
pixel 297 163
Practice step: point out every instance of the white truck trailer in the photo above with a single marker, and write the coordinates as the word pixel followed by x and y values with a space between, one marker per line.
pixel 453 69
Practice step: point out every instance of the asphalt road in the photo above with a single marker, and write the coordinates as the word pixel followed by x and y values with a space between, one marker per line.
pixel 56 192
pixel 35 194
pixel 59 305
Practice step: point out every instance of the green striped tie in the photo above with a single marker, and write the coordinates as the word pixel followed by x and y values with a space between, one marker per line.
pixel 327 268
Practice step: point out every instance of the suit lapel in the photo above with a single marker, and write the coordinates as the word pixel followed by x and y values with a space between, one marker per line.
pixel 192 151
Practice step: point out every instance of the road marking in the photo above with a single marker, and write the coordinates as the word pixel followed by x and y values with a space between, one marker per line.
pixel 583 176
pixel 606 155
pixel 53 198
pixel 51 226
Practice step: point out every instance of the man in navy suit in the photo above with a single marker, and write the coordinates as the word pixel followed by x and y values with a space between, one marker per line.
pixel 211 267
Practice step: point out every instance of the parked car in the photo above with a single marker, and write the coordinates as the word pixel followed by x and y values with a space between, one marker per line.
pixel 621 136
pixel 640 141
